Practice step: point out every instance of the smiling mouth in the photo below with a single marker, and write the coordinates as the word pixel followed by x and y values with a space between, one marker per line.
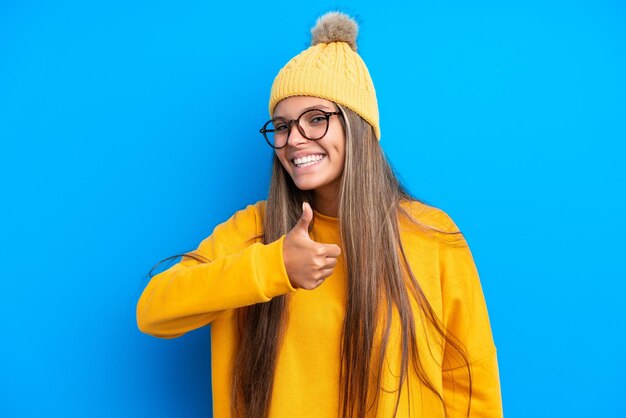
pixel 306 162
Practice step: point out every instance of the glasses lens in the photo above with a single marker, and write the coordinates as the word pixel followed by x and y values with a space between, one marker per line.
pixel 314 123
pixel 276 132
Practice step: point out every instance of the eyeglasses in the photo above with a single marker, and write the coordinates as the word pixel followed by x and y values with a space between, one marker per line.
pixel 312 124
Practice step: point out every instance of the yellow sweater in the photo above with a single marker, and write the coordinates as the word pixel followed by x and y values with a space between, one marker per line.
pixel 190 295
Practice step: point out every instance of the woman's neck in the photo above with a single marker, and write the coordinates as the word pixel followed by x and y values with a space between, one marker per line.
pixel 326 202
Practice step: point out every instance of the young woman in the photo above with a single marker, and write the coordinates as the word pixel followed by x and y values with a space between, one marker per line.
pixel 340 295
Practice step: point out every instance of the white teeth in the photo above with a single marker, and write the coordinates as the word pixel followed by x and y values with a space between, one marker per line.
pixel 308 159
pixel 307 164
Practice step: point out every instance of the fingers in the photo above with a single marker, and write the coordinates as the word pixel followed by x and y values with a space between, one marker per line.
pixel 330 262
pixel 326 273
pixel 306 217
pixel 308 263
pixel 317 275
pixel 332 250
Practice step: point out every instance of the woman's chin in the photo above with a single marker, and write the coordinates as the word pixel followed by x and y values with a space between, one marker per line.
pixel 304 185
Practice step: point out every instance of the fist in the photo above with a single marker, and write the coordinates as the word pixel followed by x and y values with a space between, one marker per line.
pixel 308 263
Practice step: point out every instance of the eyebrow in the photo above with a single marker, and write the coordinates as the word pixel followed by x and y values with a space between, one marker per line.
pixel 318 106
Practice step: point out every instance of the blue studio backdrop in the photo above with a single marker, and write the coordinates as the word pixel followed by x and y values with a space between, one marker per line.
pixel 129 130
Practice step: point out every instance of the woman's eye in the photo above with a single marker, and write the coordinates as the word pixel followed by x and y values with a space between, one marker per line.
pixel 280 128
pixel 317 119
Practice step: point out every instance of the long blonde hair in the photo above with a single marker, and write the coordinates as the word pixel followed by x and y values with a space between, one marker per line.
pixel 378 275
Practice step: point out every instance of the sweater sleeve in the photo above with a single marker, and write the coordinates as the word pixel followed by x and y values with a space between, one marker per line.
pixel 466 320
pixel 238 272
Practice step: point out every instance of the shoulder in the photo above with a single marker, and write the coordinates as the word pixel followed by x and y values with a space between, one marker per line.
pixel 247 221
pixel 251 212
pixel 242 229
pixel 430 215
pixel 430 220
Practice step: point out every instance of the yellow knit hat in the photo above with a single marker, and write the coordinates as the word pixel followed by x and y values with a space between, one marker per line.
pixel 330 69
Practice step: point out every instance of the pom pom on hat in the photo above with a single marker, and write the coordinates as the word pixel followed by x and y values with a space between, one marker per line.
pixel 330 69
pixel 335 27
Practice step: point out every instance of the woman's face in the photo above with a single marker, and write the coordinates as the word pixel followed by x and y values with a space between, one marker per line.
pixel 323 175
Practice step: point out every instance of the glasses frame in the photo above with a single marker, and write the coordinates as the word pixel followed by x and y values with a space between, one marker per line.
pixel 290 123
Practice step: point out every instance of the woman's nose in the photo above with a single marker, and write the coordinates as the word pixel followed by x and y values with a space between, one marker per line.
pixel 295 136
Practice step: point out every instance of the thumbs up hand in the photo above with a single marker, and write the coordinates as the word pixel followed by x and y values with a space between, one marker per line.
pixel 308 263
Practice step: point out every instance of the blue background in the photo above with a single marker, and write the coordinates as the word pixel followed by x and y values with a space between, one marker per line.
pixel 128 130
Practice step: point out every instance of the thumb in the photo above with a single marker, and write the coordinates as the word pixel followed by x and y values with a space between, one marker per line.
pixel 306 218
